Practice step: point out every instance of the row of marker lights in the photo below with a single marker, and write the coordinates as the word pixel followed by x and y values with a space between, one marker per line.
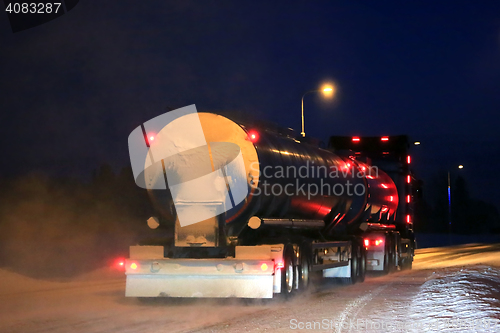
pixel 384 138
pixel 357 139
pixel 408 160
pixel 408 197
pixel 408 179
pixel 264 266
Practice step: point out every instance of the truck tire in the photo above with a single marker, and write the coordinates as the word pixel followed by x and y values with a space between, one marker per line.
pixel 354 263
pixel 304 266
pixel 288 272
pixel 387 256
pixel 406 263
pixel 393 254
pixel 362 263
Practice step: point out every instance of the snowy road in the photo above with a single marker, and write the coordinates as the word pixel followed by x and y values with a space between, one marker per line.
pixel 448 289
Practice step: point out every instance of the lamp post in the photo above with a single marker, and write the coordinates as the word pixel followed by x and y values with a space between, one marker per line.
pixel 449 204
pixel 326 90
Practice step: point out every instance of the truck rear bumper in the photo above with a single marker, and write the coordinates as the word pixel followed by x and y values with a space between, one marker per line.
pixel 199 286
pixel 200 278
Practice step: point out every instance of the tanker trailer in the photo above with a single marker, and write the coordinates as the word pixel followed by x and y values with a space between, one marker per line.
pixel 254 210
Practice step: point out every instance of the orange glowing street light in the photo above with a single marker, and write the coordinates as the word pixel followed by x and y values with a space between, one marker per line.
pixel 327 90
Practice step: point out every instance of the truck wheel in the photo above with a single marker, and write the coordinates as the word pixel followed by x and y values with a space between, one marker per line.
pixel 387 256
pixel 406 264
pixel 288 272
pixel 304 267
pixel 402 263
pixel 362 263
pixel 392 265
pixel 354 263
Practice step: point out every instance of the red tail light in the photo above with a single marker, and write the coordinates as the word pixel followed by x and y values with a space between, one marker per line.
pixel 384 138
pixel 150 138
pixel 253 136
pixel 279 265
pixel 119 263
pixel 355 139
pixel 373 242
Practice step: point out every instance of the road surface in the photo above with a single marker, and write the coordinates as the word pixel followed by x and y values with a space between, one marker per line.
pixel 448 286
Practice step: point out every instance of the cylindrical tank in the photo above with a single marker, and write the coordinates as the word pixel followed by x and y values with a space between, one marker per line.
pixel 281 177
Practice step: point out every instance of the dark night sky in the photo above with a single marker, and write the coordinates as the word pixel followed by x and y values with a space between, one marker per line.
pixel 74 88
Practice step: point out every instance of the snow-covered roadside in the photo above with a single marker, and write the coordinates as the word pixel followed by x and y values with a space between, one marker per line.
pixel 462 299
pixel 460 255
pixel 454 299
pixel 14 283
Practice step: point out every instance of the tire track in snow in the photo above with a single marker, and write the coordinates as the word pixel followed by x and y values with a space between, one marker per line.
pixel 353 308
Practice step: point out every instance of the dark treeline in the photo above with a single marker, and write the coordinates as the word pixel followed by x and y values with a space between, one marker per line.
pixel 468 215
pixel 62 227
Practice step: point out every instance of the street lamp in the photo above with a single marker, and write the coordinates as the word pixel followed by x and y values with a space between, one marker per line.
pixel 327 90
pixel 449 204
